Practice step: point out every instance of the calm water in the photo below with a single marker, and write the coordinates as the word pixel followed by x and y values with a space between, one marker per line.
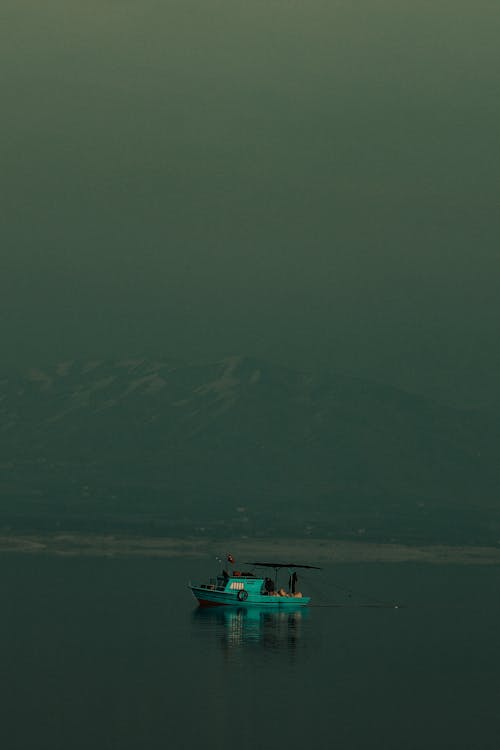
pixel 105 653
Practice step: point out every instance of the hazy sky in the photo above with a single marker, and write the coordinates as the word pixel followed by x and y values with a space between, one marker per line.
pixel 313 182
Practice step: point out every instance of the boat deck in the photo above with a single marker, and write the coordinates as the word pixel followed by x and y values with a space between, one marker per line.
pixel 245 589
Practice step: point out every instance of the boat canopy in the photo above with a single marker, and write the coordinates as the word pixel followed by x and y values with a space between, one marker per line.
pixel 282 565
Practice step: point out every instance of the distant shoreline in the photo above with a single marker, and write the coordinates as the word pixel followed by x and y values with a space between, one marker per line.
pixel 293 550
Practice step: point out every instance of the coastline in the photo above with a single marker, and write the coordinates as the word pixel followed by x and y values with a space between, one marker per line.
pixel 295 550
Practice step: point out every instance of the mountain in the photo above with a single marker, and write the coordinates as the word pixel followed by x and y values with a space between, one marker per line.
pixel 240 446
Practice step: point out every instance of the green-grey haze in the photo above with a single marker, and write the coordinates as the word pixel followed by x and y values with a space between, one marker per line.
pixel 313 182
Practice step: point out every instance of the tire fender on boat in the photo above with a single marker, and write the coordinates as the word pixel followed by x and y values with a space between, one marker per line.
pixel 242 595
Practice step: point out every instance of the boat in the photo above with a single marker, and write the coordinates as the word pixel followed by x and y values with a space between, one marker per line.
pixel 249 589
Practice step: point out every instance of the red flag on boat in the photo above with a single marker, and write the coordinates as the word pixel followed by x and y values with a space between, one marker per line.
pixel 230 558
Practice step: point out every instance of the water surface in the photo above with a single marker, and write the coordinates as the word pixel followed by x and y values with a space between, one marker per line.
pixel 113 653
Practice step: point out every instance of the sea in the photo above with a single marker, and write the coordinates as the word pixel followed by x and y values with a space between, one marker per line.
pixel 114 654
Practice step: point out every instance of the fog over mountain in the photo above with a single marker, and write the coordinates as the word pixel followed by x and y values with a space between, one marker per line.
pixel 312 183
pixel 240 447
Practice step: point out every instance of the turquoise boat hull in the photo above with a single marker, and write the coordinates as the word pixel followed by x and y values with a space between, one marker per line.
pixel 243 592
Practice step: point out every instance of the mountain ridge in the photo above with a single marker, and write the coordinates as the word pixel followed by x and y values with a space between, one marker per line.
pixel 243 446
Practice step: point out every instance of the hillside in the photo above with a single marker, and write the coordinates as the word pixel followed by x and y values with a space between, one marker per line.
pixel 240 447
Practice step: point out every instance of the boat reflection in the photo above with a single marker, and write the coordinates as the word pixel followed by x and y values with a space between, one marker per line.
pixel 236 627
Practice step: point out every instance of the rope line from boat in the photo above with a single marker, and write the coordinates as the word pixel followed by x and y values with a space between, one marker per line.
pixel 381 605
pixel 371 601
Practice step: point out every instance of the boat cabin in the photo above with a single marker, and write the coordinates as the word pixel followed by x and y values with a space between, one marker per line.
pixel 238 582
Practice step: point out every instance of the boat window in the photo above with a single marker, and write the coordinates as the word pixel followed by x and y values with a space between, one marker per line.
pixel 237 585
